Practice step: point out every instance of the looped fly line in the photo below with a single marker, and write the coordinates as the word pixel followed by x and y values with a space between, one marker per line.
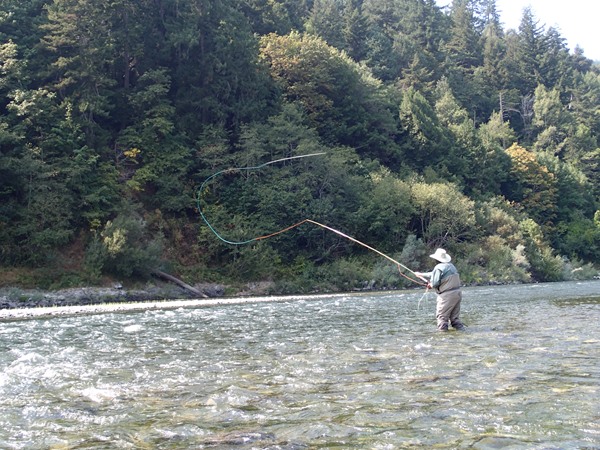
pixel 266 236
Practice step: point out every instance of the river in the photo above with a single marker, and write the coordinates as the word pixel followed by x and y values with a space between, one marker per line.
pixel 355 371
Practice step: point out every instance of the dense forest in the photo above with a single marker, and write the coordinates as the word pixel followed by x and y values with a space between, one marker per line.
pixel 439 128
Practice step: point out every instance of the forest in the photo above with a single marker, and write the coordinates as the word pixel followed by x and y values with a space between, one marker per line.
pixel 435 127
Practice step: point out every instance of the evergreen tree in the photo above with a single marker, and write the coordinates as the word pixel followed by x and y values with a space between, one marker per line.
pixel 380 55
pixel 79 38
pixel 420 74
pixel 551 120
pixel 555 62
pixel 467 147
pixel 342 99
pixel 355 31
pixel 430 143
pixel 586 101
pixel 464 55
pixel 402 29
pixel 20 22
pixel 580 62
pixel 531 48
pixel 463 43
pixel 490 78
pixel 151 157
pixel 215 76
pixel 325 21
pixel 492 162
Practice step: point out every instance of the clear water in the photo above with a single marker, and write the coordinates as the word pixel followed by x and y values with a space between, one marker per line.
pixel 352 372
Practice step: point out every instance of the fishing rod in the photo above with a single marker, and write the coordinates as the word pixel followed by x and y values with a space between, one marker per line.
pixel 266 236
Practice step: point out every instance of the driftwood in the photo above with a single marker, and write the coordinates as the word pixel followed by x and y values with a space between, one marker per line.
pixel 177 281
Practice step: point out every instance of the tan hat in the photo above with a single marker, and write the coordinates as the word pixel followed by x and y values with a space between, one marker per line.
pixel 441 256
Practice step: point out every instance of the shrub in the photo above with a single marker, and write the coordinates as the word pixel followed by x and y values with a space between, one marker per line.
pixel 577 270
pixel 124 248
pixel 492 261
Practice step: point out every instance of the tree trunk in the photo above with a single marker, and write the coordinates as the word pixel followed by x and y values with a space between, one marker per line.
pixel 178 282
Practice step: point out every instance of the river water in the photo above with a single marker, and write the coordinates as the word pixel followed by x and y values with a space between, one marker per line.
pixel 363 371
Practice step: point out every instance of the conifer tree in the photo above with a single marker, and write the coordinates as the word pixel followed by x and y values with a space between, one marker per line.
pixel 325 21
pixel 531 47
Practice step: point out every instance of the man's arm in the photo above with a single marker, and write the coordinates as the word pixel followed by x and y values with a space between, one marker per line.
pixel 436 278
pixel 424 274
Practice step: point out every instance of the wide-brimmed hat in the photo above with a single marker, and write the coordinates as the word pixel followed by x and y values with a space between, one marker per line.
pixel 441 256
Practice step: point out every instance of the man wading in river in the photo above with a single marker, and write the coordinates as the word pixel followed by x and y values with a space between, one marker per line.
pixel 445 280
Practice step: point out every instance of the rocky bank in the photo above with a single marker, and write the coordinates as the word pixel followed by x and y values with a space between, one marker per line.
pixel 13 298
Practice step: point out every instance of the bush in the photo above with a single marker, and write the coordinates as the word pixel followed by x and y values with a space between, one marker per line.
pixel 545 266
pixel 123 248
pixel 492 261
pixel 254 262
pixel 344 274
pixel 577 270
pixel 384 275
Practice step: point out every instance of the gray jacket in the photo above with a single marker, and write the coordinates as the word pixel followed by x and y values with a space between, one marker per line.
pixel 444 278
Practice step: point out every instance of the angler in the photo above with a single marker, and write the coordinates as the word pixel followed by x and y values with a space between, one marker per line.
pixel 444 278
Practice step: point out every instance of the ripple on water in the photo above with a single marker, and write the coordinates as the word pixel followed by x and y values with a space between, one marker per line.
pixel 352 371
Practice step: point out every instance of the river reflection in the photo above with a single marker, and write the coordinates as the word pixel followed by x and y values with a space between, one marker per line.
pixel 346 371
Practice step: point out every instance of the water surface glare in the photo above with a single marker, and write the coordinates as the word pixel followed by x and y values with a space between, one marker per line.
pixel 352 371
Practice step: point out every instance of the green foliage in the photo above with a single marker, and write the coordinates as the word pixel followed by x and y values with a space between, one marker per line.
pixel 444 215
pixel 429 140
pixel 415 106
pixel 490 159
pixel 532 185
pixel 124 247
pixel 276 16
pixel 386 275
pixel 254 262
pixel 545 266
pixel 493 261
pixel 386 210
pixel 344 274
pixel 82 51
pixel 325 20
pixel 151 156
pixel 401 33
pixel 415 255
pixel 577 270
pixel 342 100
pixel 580 236
pixel 497 218
pixel 586 100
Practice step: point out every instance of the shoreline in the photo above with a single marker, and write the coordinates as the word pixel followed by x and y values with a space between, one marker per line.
pixel 108 307
pixel 121 298
pixel 17 304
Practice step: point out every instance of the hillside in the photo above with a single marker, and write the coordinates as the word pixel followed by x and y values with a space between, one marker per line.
pixel 433 128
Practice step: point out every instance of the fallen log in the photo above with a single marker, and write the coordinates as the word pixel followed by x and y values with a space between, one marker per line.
pixel 177 281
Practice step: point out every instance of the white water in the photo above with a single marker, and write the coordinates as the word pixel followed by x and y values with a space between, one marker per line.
pixel 355 371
